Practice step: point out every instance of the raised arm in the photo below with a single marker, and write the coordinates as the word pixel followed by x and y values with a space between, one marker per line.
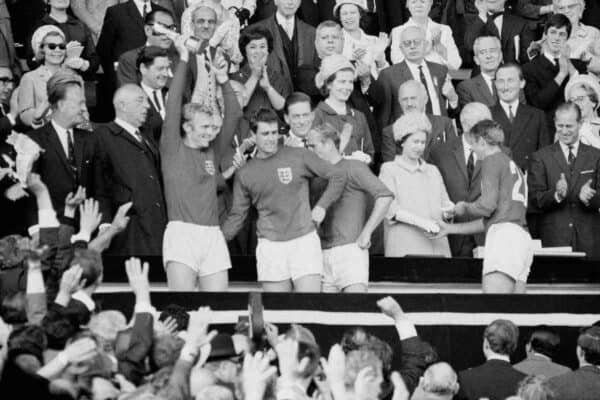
pixel 336 177
pixel 170 140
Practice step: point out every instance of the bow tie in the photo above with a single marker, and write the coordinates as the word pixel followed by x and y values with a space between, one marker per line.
pixel 493 16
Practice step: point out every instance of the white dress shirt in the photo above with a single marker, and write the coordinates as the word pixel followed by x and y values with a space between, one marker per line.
pixel 565 149
pixel 286 24
pixel 431 84
pixel 63 136
pixel 132 130
pixel 467 149
pixel 140 6
pixel 514 106
pixel 150 93
pixel 452 61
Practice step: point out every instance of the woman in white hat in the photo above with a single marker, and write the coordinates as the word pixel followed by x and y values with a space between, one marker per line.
pixel 49 46
pixel 358 46
pixel 584 90
pixel 419 193
pixel 335 80
pixel 442 48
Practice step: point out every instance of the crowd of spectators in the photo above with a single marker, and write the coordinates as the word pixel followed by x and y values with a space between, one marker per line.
pixel 196 117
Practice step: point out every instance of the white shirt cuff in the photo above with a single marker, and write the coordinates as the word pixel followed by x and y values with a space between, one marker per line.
pixel 406 329
pixel 47 219
pixel 12 119
pixel 144 308
pixel 81 236
pixel 35 281
pixel 103 227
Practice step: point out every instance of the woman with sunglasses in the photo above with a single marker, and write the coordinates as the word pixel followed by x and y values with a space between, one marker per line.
pixel 584 90
pixel 81 52
pixel 49 44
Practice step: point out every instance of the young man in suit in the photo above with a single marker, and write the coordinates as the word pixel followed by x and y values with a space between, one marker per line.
pixel 584 383
pixel 293 40
pixel 122 30
pixel 383 93
pixel 128 170
pixel 460 170
pixel 153 64
pixel 127 71
pixel 412 96
pixel 563 184
pixel 69 152
pixel 495 379
pixel 525 129
pixel 480 88
pixel 546 76
pixel 513 31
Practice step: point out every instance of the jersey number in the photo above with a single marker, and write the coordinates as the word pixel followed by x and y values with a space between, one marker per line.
pixel 519 191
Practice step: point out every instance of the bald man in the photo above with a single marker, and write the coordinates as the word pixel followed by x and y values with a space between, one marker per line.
pixel 439 382
pixel 129 170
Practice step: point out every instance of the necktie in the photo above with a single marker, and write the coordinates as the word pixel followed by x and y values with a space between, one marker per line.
pixel 71 153
pixel 289 29
pixel 470 166
pixel 490 25
pixel 494 92
pixel 571 157
pixel 157 102
pixel 146 10
pixel 428 108
pixel 511 115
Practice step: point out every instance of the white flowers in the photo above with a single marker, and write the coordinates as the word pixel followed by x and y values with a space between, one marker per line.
pixel 28 152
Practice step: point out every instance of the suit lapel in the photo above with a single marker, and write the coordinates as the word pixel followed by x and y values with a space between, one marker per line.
pixel 484 89
pixel 278 44
pixel 560 158
pixel 459 155
pixel 134 14
pixel 79 145
pixel 119 131
pixel 54 142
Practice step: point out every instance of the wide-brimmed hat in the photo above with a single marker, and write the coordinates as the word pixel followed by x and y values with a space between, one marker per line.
pixel 329 66
pixel 362 4
pixel 41 32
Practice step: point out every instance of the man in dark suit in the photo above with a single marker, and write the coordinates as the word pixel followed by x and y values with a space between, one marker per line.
pixel 383 93
pixel 122 30
pixel 153 64
pixel 128 170
pixel 412 96
pixel 69 152
pixel 513 31
pixel 487 56
pixel 525 128
pixel 495 379
pixel 127 71
pixel 546 76
pixel 563 182
pixel 541 348
pixel 293 40
pixel 584 383
pixel 460 171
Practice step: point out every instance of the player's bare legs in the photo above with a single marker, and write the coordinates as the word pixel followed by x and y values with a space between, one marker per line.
pixel 181 278
pixel 355 288
pixel 497 282
pixel 278 286
pixel 217 282
pixel 308 283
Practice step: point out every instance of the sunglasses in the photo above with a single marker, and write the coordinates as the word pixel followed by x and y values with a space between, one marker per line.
pixel 53 46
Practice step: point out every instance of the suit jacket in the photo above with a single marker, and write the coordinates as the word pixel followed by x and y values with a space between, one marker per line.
pixel 122 30
pixel 449 158
pixel 570 222
pixel 442 131
pixel 582 384
pixel 539 365
pixel 54 168
pixel 128 170
pixel 383 94
pixel 494 379
pixel 541 91
pixel 306 53
pixel 475 90
pixel 512 26
pixel 527 134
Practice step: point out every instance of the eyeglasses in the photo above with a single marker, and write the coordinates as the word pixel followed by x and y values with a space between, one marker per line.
pixel 53 46
pixel 411 43
pixel 578 99
pixel 6 80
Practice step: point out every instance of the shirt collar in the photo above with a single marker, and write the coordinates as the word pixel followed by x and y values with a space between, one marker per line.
pixel 540 356
pixel 550 57
pixel 149 91
pixel 514 104
pixel 416 66
pixel 62 131
pixel 126 125
pixel 501 357
pixel 466 145
pixel 85 298
pixel 565 148
pixel 281 20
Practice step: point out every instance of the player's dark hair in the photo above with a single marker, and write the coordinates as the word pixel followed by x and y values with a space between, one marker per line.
pixel 265 115
pixel 488 130
pixel 545 340
pixel 569 106
pixel 558 21
pixel 295 98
